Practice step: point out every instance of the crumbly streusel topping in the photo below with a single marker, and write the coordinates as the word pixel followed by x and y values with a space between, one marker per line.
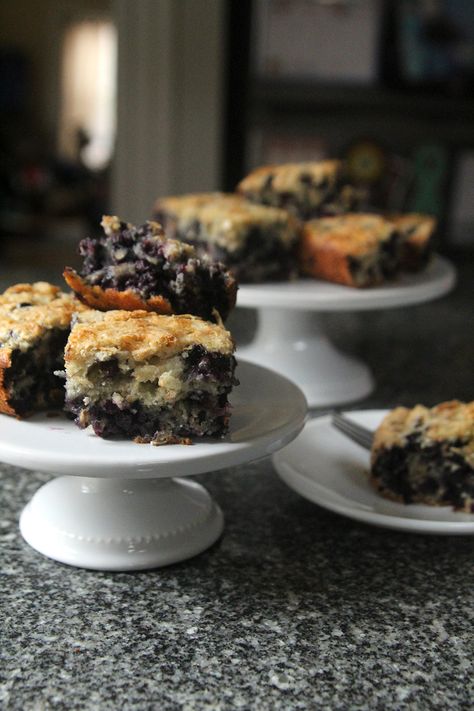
pixel 354 233
pixel 452 420
pixel 413 225
pixel 288 177
pixel 141 335
pixel 173 249
pixel 146 349
pixel 27 311
pixel 228 220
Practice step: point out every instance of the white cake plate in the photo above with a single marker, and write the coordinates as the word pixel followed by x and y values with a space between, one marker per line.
pixel 291 338
pixel 329 469
pixel 118 505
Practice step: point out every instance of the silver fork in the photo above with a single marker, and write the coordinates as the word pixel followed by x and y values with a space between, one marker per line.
pixel 351 429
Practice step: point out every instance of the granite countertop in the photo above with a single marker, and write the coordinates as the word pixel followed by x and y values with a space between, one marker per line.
pixel 294 608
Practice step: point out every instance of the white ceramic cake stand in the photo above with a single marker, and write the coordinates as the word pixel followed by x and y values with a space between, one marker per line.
pixel 292 340
pixel 119 505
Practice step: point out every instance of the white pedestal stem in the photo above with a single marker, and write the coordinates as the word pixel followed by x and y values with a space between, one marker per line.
pixel 121 524
pixel 293 342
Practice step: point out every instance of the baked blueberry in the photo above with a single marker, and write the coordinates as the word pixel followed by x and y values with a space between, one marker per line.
pixel 34 326
pixel 132 267
pixel 257 243
pixel 149 377
pixel 308 189
pixel 355 249
pixel 426 455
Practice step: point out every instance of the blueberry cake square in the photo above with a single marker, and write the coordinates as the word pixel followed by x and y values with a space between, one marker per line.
pixel 426 455
pixel 416 231
pixel 149 377
pixel 307 190
pixel 257 243
pixel 356 249
pixel 34 325
pixel 132 267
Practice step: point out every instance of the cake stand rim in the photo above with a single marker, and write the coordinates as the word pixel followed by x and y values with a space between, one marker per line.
pixel 436 280
pixel 147 461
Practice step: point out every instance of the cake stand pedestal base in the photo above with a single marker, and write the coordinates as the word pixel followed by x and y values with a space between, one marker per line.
pixel 294 342
pixel 116 504
pixel 291 341
pixel 121 524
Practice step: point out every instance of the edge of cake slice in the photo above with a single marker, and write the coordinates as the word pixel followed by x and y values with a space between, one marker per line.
pixel 416 232
pixel 149 377
pixel 357 249
pixel 257 243
pixel 34 325
pixel 426 455
pixel 131 267
pixel 307 189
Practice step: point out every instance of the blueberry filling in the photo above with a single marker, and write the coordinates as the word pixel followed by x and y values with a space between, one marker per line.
pixel 202 411
pixel 259 259
pixel 417 473
pixel 201 364
pixel 30 380
pixel 140 260
pixel 268 182
pixel 312 198
pixel 104 371
pixel 383 264
pixel 200 415
pixel 416 256
pixel 306 179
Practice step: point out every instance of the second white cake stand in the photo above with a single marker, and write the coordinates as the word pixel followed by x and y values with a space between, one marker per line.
pixel 118 505
pixel 292 340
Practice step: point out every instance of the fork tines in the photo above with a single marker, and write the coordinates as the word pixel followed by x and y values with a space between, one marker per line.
pixel 351 429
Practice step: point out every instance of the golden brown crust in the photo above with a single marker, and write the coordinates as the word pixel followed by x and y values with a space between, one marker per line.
pixel 190 201
pixel 327 244
pixel 426 455
pixel 308 189
pixel 47 307
pixel 287 176
pixel 27 312
pixel 322 261
pixel 352 234
pixel 216 208
pixel 105 299
pixel 40 292
pixel 226 220
pixel 142 335
pixel 448 420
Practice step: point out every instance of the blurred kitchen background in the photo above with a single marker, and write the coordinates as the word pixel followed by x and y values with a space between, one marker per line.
pixel 107 104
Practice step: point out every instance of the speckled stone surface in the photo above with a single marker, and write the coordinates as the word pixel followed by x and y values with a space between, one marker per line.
pixel 294 608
